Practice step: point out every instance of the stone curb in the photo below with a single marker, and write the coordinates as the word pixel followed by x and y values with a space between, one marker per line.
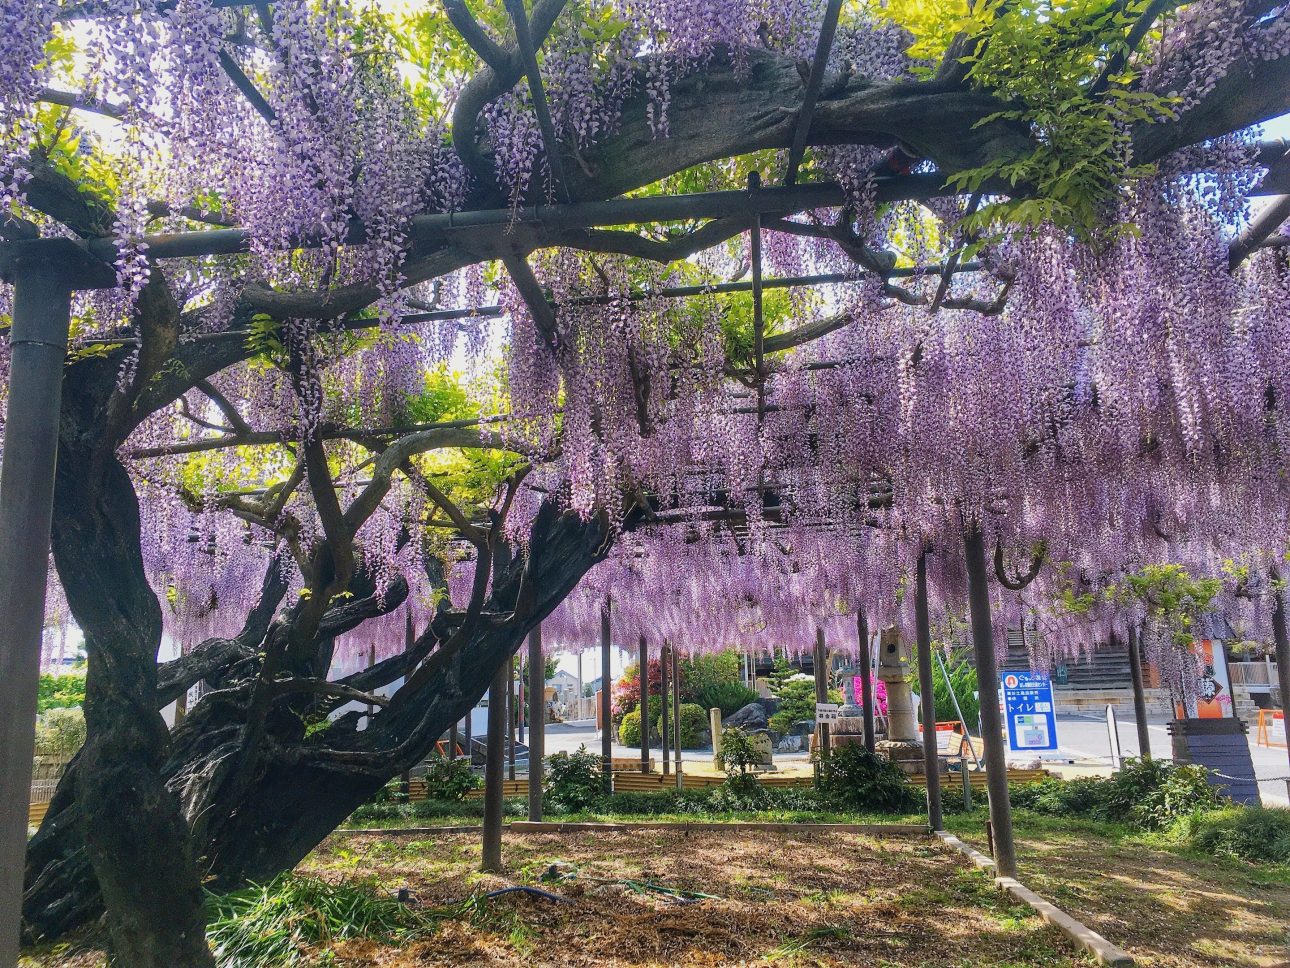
pixel 1084 936
pixel 879 829
pixel 400 831
pixel 545 827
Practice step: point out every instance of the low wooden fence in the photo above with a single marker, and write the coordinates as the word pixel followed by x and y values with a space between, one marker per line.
pixel 634 781
pixel 654 782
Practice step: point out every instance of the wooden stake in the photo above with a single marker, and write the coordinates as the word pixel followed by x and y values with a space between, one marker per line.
pixel 931 759
pixel 1139 695
pixel 492 851
pixel 866 679
pixel 537 721
pixel 987 668
pixel 643 661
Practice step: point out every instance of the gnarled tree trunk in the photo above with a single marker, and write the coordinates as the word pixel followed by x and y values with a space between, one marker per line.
pixel 301 787
pixel 133 835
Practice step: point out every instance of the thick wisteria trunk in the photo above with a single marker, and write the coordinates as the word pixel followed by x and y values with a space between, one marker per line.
pixel 301 788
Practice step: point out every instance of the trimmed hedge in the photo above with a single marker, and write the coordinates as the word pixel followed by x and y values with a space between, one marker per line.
pixel 694 727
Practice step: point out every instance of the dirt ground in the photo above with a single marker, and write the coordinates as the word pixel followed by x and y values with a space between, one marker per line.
pixel 789 899
pixel 802 899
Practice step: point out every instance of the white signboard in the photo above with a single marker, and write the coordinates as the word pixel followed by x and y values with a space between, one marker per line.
pixel 826 712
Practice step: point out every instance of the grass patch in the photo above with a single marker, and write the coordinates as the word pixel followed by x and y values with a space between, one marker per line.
pixel 281 922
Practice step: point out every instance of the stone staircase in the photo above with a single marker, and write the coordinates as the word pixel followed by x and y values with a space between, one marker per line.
pixel 1103 678
pixel 1246 708
pixel 1092 682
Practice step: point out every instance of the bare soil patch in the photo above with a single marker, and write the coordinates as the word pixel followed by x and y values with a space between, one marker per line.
pixel 775 898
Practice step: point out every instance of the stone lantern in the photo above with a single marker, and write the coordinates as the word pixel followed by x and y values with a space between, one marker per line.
pixel 903 746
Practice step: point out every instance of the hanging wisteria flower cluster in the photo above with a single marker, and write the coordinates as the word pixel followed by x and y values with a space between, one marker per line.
pixel 1098 408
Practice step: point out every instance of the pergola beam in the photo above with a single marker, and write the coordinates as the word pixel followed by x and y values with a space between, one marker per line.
pixel 1263 225
pixel 528 56
pixel 811 96
pixel 247 87
pixel 772 343
pixel 759 323
pixel 508 223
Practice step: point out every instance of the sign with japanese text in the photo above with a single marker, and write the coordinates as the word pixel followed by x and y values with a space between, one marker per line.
pixel 1028 711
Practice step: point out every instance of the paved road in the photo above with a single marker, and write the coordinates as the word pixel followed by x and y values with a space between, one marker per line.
pixel 1085 745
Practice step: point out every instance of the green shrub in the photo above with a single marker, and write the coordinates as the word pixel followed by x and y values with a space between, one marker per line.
pixel 60 691
pixel 450 779
pixel 379 810
pixel 743 795
pixel 640 804
pixel 1147 793
pixel 1083 797
pixel 796 703
pixel 1248 833
pixel 702 672
pixel 852 778
pixel 573 781
pixel 729 697
pixel 737 752
pixel 962 677
pixel 60 732
pixel 1153 794
pixel 432 810
pixel 694 727
pixel 1183 791
pixel 629 730
pixel 741 792
pixel 392 792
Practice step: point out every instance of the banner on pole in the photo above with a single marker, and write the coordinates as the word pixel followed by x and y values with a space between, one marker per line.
pixel 1028 711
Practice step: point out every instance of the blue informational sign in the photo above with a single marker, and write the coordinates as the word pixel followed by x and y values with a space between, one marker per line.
pixel 1028 711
